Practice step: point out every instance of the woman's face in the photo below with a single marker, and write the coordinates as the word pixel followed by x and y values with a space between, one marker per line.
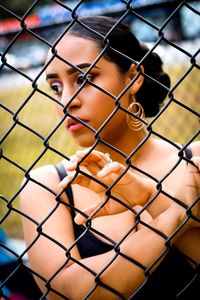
pixel 91 105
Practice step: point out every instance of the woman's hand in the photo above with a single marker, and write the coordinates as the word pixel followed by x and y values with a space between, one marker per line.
pixel 189 188
pixel 130 188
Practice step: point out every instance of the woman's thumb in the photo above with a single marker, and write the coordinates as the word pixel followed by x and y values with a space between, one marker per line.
pixel 81 218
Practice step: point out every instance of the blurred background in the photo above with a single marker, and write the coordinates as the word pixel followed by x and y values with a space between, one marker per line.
pixel 29 28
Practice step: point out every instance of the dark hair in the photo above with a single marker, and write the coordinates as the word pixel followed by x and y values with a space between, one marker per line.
pixel 151 94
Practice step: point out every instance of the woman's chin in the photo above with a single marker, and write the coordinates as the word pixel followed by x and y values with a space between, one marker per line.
pixel 84 142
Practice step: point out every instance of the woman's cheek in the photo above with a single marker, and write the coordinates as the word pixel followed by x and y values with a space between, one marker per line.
pixel 59 110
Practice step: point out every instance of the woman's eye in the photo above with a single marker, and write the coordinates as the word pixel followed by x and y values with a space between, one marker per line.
pixel 80 79
pixel 56 88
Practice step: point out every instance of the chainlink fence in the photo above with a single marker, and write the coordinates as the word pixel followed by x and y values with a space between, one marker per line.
pixel 32 136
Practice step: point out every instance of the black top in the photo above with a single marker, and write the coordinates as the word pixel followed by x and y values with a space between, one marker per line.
pixel 167 281
pixel 88 244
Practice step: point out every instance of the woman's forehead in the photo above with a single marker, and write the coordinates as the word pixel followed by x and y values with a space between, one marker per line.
pixel 76 49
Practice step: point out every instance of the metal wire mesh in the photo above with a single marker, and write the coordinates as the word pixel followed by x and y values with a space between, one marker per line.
pixel 17 125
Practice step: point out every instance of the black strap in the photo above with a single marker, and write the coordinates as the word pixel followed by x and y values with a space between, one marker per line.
pixel 68 190
pixel 61 171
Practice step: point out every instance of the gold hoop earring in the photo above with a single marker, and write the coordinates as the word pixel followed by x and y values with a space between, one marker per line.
pixel 137 113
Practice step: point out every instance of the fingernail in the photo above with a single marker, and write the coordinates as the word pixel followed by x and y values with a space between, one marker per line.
pixel 101 173
pixel 63 183
pixel 78 220
pixel 69 164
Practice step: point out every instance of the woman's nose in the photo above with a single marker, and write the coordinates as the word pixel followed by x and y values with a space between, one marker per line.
pixel 70 99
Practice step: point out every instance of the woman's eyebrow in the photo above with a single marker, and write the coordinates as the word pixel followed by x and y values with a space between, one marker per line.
pixel 71 70
pixel 51 75
pixel 80 66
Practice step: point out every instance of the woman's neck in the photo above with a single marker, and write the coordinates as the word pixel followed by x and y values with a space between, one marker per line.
pixel 125 145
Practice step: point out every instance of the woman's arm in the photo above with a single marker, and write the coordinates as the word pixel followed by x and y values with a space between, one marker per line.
pixel 74 281
pixel 122 275
pixel 45 255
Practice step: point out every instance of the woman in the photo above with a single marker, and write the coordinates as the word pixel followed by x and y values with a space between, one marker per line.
pixel 90 234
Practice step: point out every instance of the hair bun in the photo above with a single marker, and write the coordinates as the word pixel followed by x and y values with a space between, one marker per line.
pixel 153 61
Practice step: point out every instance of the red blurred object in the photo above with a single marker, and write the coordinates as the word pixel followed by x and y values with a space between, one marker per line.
pixel 10 25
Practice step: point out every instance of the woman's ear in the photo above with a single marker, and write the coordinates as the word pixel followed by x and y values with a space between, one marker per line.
pixel 140 79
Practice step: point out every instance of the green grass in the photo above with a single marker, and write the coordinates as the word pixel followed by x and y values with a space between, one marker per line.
pixel 23 147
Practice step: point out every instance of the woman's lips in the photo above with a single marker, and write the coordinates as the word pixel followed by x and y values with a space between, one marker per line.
pixel 73 125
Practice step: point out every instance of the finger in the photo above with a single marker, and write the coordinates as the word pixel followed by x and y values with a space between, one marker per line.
pixel 95 159
pixel 80 179
pixel 189 189
pixel 95 156
pixel 144 216
pixel 71 164
pixel 114 170
pixel 81 219
pixel 73 175
pixel 112 167
pixel 192 177
pixel 64 183
pixel 196 161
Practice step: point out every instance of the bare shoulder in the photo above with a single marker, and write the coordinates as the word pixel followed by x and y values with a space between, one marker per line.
pixel 195 147
pixel 43 180
pixel 42 204
pixel 44 176
pixel 40 189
